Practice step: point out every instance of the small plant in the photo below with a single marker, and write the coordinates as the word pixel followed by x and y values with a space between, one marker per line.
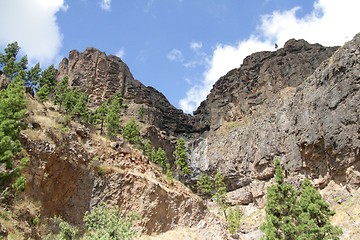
pixel 205 185
pixel 95 161
pixel 131 132
pixel 64 130
pixel 147 149
pixel 4 214
pixel 141 113
pixel 19 184
pixel 169 175
pixel 233 219
pixel 181 157
pixel 67 231
pixel 101 170
pixel 220 192
pixel 43 93
pixel 35 221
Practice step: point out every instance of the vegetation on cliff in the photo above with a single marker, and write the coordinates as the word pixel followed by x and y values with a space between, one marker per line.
pixel 296 215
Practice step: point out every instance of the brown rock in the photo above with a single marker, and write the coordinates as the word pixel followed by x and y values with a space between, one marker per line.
pixel 100 76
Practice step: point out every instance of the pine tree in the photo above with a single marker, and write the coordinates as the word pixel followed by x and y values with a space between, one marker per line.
pixel 205 185
pixel 233 219
pixel 113 117
pixel 141 113
pixel 33 77
pixel 12 110
pixel 48 76
pixel 280 208
pixel 43 93
pixel 131 132
pixel 220 192
pixel 61 90
pixel 80 108
pixel 8 63
pixel 161 159
pixel 147 149
pixel 181 157
pixel 314 220
pixel 9 68
pixel 11 51
pixel 100 115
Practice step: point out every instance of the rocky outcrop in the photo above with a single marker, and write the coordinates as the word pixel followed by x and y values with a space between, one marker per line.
pixel 100 76
pixel 261 76
pixel 298 104
pixel 72 171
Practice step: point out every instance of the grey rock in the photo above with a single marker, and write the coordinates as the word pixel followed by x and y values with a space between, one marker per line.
pixel 101 76
pixel 299 103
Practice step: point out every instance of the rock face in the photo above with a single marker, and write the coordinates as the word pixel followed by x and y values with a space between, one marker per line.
pixel 101 76
pixel 300 103
pixel 261 76
pixel 72 172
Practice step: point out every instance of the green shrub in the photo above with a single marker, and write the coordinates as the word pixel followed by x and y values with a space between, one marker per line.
pixel 233 219
pixel 67 231
pixel 296 215
pixel 205 185
pixel 131 132
pixel 19 184
pixel 181 157
pixel 220 192
pixel 104 222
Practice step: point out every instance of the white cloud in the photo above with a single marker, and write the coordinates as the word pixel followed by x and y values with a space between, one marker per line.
pixel 175 55
pixel 331 22
pixel 120 53
pixel 105 5
pixel 33 25
pixel 194 45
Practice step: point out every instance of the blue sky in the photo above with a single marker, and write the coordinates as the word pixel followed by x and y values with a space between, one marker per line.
pixel 180 47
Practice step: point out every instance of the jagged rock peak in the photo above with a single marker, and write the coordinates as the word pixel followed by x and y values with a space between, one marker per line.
pixel 101 75
pixel 261 76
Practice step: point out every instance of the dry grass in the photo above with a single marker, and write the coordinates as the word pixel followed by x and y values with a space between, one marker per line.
pixel 14 220
pixel 176 234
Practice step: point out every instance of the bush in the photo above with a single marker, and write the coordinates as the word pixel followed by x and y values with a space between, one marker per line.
pixel 220 192
pixel 19 184
pixel 205 185
pixel 181 157
pixel 67 231
pixel 296 215
pixel 131 132
pixel 233 219
pixel 104 222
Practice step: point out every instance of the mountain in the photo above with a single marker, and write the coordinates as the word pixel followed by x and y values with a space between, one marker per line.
pixel 299 103
pixel 101 76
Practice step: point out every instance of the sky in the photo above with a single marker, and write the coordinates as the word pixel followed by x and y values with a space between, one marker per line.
pixel 180 47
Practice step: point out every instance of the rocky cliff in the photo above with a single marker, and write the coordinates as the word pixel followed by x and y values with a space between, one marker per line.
pixel 101 76
pixel 299 103
pixel 261 77
pixel 72 170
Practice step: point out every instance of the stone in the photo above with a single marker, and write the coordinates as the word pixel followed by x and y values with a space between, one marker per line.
pixel 82 132
pixel 101 76
pixel 115 145
pixel 299 104
pixel 3 231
